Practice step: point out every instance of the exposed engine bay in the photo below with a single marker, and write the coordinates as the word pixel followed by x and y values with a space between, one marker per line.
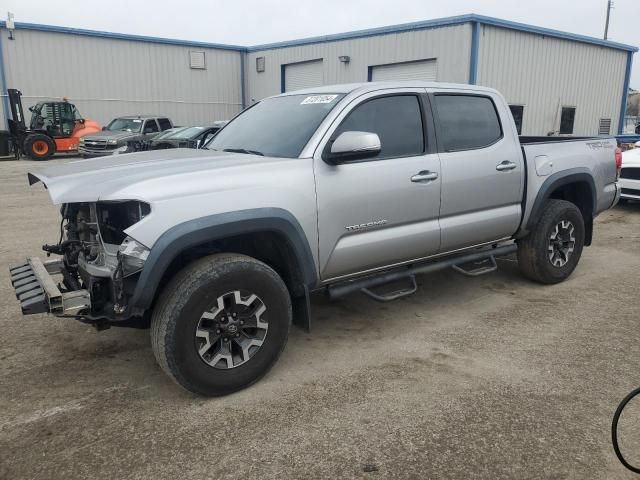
pixel 98 256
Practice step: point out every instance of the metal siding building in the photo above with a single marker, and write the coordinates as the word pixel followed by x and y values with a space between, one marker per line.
pixel 108 74
pixel 544 74
pixel 447 45
pixel 106 77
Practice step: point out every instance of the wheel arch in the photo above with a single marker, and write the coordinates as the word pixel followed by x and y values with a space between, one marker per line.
pixel 279 232
pixel 575 185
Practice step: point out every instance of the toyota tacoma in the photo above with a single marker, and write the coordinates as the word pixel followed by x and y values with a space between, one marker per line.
pixel 341 189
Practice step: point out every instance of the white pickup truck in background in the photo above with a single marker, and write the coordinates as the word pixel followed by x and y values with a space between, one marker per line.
pixel 630 174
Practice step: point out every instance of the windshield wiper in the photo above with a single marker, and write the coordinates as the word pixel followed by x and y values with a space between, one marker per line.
pixel 243 150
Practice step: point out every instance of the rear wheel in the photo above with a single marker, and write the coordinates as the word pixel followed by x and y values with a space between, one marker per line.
pixel 221 324
pixel 39 146
pixel 550 253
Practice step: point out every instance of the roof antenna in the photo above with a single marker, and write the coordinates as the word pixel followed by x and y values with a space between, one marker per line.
pixel 10 25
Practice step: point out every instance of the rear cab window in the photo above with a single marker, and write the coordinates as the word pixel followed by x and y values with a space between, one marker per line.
pixel 150 126
pixel 165 124
pixel 466 122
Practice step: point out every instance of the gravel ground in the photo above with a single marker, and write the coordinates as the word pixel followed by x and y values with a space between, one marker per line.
pixel 489 377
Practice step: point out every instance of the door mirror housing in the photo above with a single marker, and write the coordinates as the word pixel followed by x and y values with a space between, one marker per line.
pixel 351 146
pixel 148 130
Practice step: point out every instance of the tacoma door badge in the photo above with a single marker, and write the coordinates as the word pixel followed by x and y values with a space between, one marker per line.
pixel 363 226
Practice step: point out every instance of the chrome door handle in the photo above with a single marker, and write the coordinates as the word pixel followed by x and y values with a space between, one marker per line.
pixel 506 165
pixel 424 176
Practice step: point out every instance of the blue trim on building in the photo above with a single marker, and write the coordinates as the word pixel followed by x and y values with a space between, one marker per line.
pixel 475 47
pixel 444 22
pixel 548 32
pixel 243 100
pixel 371 32
pixel 3 87
pixel 282 72
pixel 625 92
pixel 123 36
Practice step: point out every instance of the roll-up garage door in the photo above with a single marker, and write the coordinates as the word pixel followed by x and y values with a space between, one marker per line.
pixel 302 75
pixel 421 70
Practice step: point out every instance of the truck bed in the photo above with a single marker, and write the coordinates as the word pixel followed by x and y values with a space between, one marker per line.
pixel 528 140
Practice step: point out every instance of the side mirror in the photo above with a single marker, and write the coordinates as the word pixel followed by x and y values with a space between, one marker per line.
pixel 148 130
pixel 104 128
pixel 350 146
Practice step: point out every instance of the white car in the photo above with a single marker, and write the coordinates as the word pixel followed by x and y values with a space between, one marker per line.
pixel 630 175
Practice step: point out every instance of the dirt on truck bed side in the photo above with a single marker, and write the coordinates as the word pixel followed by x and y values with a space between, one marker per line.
pixel 490 377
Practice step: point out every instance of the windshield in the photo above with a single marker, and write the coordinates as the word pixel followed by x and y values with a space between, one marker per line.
pixel 125 125
pixel 168 133
pixel 277 127
pixel 189 132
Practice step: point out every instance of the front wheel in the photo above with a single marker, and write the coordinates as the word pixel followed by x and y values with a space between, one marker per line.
pixel 221 324
pixel 39 146
pixel 550 253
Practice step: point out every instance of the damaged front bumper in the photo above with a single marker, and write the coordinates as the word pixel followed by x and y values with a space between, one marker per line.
pixel 38 292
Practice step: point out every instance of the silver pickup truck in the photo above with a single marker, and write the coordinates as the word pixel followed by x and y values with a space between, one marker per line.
pixel 342 189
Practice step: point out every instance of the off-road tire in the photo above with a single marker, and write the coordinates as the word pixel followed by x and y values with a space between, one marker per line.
pixel 533 250
pixel 189 294
pixel 39 146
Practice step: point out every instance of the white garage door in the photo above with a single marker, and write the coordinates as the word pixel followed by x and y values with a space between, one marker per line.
pixel 302 75
pixel 421 70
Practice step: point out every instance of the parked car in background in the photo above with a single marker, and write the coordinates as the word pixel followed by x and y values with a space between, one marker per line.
pixel 176 137
pixel 340 189
pixel 115 136
pixel 185 137
pixel 630 174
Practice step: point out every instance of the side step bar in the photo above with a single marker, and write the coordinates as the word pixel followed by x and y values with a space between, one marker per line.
pixel 365 284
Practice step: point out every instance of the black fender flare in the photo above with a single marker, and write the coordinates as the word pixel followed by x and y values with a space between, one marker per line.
pixel 559 179
pixel 214 227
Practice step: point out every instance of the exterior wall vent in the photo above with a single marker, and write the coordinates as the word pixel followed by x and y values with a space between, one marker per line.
pixel 197 60
pixel 605 126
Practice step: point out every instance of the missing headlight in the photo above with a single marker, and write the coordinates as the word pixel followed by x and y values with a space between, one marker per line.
pixel 115 217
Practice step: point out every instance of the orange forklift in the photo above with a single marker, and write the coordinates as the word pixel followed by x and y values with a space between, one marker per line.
pixel 56 127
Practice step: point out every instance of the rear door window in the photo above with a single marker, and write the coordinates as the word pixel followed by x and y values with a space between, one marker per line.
pixel 466 122
pixel 150 126
pixel 396 119
pixel 165 124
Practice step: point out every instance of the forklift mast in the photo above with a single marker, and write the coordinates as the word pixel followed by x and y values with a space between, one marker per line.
pixel 17 125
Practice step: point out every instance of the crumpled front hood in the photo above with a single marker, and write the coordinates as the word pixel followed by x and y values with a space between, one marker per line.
pixel 150 176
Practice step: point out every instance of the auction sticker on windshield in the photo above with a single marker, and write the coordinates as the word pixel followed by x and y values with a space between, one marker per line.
pixel 318 99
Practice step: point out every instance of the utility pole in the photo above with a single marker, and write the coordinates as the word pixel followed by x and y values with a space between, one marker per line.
pixel 606 25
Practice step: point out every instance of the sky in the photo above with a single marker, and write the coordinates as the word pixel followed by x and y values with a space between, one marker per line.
pixel 251 22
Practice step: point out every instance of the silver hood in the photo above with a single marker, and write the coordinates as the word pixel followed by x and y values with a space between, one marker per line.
pixel 146 176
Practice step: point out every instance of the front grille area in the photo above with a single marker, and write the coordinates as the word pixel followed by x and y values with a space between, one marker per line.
pixel 628 191
pixel 98 145
pixel 630 173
